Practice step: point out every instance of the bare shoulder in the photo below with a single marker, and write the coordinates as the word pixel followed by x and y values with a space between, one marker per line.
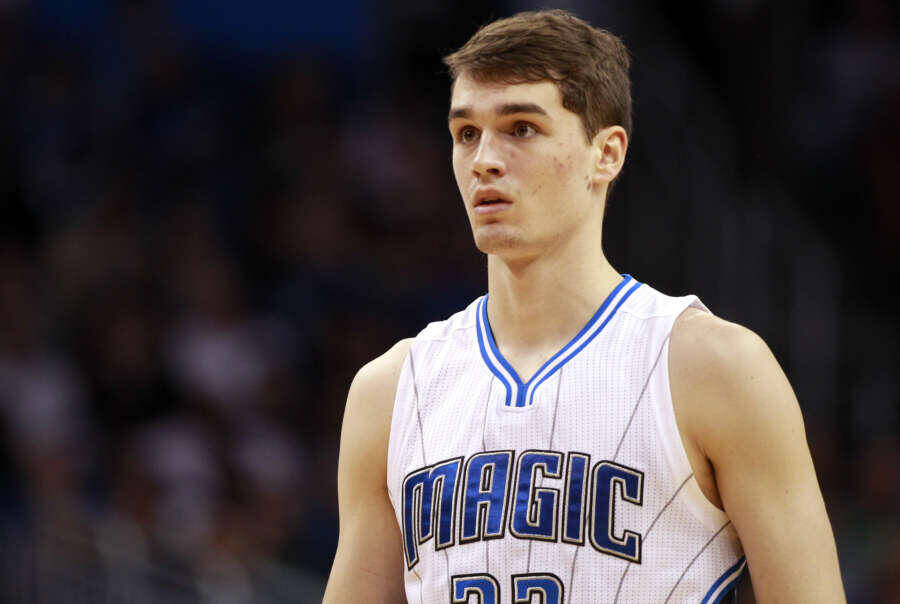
pixel 377 379
pixel 724 379
pixel 703 341
pixel 743 432
pixel 368 555
pixel 370 402
pixel 367 425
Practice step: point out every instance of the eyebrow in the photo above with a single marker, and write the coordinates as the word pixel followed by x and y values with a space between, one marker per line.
pixel 504 109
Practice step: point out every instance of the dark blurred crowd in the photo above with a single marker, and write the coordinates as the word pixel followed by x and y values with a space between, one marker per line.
pixel 209 222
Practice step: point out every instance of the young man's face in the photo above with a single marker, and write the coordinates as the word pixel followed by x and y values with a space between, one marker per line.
pixel 519 144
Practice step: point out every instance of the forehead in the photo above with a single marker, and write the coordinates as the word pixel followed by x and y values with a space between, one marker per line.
pixel 482 96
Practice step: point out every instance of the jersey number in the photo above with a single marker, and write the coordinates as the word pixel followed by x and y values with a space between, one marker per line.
pixel 546 587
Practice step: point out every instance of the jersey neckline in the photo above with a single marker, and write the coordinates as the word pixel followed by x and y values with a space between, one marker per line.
pixel 521 394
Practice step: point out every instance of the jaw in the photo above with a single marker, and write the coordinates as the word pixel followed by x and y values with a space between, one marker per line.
pixel 511 244
pixel 498 239
pixel 577 236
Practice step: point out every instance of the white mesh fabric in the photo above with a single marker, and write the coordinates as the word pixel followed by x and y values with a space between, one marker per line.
pixel 611 401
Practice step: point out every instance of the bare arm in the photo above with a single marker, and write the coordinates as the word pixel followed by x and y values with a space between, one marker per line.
pixel 368 565
pixel 740 418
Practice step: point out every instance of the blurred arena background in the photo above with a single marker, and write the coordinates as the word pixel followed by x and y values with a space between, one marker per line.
pixel 214 213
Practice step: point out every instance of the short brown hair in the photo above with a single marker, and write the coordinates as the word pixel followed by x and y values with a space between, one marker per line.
pixel 589 65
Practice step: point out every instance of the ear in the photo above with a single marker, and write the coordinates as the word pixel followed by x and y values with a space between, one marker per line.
pixel 610 146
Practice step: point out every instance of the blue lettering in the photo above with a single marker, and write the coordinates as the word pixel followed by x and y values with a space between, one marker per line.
pixel 586 503
pixel 484 587
pixel 420 503
pixel 484 501
pixel 548 588
pixel 606 476
pixel 576 489
pixel 535 515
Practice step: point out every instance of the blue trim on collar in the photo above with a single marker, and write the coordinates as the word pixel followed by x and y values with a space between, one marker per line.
pixel 484 355
pixel 524 391
pixel 583 344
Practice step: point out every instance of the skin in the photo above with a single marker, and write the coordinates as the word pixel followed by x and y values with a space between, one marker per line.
pixel 368 565
pixel 739 420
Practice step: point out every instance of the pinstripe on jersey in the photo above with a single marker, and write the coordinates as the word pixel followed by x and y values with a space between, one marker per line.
pixel 573 484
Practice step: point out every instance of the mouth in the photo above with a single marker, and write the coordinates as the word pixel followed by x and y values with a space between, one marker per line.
pixel 491 206
pixel 489 202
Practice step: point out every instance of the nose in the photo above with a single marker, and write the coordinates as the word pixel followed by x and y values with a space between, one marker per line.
pixel 488 159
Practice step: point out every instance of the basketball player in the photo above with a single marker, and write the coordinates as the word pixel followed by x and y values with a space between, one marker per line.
pixel 574 435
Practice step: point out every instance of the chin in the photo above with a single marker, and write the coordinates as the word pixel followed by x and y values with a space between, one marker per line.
pixel 500 241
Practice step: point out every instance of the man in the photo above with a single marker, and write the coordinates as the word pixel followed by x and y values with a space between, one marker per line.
pixel 654 451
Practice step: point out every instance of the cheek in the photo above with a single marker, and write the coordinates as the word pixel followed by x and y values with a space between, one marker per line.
pixel 569 158
pixel 561 170
pixel 459 174
pixel 563 166
pixel 572 170
pixel 562 157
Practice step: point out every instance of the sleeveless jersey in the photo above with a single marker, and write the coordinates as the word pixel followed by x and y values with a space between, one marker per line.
pixel 571 487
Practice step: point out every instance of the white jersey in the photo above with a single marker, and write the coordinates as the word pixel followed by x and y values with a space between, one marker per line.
pixel 571 487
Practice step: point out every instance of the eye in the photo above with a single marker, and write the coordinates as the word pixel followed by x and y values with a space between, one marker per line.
pixel 467 134
pixel 524 130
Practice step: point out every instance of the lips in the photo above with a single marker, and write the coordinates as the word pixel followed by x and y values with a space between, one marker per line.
pixel 490 201
pixel 490 197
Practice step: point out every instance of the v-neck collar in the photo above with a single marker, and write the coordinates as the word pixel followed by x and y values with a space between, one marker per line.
pixel 521 394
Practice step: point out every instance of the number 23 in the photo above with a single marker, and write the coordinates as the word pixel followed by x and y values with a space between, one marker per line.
pixel 547 587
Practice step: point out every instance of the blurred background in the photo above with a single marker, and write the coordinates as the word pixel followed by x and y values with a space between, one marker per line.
pixel 211 214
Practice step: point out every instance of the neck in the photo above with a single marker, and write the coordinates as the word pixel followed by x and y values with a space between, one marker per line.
pixel 537 305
